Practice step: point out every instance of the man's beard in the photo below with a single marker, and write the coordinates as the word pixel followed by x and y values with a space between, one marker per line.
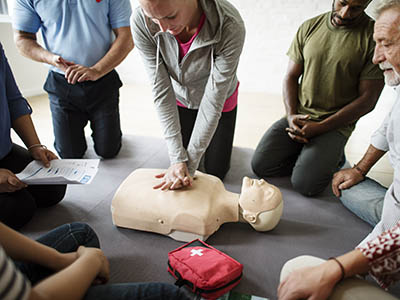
pixel 392 78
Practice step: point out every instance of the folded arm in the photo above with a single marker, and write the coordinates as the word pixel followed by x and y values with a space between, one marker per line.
pixel 28 46
pixel 78 268
pixel 119 49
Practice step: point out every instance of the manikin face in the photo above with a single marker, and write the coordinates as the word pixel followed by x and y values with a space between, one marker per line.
pixel 260 203
pixel 347 12
pixel 171 16
pixel 387 49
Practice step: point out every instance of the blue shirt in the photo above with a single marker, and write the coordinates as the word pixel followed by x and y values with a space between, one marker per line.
pixel 12 104
pixel 78 30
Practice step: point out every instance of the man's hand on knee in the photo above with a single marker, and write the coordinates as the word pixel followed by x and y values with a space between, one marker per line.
pixel 345 179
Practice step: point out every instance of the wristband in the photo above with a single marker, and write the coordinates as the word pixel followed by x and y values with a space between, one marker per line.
pixel 341 267
pixel 358 169
pixel 36 145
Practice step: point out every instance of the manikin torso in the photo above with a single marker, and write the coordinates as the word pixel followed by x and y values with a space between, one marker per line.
pixel 194 212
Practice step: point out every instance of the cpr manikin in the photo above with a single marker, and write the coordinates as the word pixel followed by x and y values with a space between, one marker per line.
pixel 194 212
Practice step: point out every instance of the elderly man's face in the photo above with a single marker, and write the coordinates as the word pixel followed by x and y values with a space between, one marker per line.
pixel 346 12
pixel 387 49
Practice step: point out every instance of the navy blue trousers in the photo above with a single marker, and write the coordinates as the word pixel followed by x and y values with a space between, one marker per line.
pixel 74 105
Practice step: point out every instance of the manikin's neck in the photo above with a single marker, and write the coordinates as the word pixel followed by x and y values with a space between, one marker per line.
pixel 230 213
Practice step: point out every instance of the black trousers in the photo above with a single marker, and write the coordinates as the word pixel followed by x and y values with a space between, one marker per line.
pixel 217 158
pixel 17 208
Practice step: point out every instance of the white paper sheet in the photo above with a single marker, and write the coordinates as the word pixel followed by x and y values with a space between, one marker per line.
pixel 61 171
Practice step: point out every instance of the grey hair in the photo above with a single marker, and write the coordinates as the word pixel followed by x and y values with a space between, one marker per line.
pixel 384 5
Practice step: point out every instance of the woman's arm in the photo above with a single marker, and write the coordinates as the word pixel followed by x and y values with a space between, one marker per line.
pixel 226 61
pixel 78 269
pixel 163 92
pixel 23 126
pixel 73 281
pixel 20 247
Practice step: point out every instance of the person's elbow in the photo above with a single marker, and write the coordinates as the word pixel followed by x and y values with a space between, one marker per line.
pixel 19 41
pixel 372 94
pixel 21 38
pixel 36 295
pixel 129 44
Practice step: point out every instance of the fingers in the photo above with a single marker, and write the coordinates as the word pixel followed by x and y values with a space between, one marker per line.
pixel 187 181
pixel 82 78
pixel 303 117
pixel 65 62
pixel 44 159
pixel 75 72
pixel 60 61
pixel 280 287
pixel 50 155
pixel 295 131
pixel 176 177
pixel 336 181
pixel 43 155
pixel 14 184
pixel 335 189
pixel 177 184
pixel 346 185
pixel 345 179
pixel 170 185
pixel 78 73
pixel 297 138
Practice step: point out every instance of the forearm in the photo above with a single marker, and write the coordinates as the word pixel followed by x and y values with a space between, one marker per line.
pixel 21 248
pixel 369 159
pixel 347 115
pixel 290 95
pixel 72 282
pixel 28 46
pixel 369 92
pixel 354 263
pixel 25 129
pixel 120 48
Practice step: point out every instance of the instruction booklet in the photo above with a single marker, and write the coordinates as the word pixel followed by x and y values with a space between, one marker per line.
pixel 61 171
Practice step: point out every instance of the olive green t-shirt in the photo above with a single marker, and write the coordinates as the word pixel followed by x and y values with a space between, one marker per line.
pixel 335 60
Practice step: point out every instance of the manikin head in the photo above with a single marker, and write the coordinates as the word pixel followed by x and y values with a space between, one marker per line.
pixel 172 16
pixel 347 12
pixel 260 204
pixel 387 38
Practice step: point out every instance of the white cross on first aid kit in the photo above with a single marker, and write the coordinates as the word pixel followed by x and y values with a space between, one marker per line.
pixel 196 252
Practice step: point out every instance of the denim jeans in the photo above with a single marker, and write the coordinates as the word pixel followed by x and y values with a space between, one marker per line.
pixel 310 165
pixel 68 238
pixel 365 199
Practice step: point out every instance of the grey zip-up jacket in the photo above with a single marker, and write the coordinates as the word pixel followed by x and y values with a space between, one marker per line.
pixel 203 80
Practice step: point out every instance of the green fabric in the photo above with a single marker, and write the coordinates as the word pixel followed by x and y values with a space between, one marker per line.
pixel 335 60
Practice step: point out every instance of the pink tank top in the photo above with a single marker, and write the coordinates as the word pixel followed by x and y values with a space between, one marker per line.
pixel 231 102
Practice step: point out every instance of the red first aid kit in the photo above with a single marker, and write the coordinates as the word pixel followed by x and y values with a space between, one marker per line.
pixel 204 269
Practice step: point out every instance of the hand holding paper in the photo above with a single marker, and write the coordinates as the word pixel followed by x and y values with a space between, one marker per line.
pixel 61 171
